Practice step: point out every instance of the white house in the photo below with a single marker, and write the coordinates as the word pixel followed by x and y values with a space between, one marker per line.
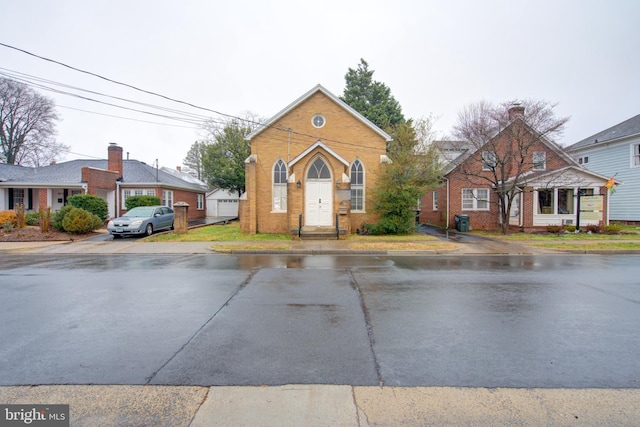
pixel 615 152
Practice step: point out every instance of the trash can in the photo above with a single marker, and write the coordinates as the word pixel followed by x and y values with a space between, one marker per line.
pixel 462 223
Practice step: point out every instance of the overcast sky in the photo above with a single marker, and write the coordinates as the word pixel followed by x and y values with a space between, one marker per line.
pixel 238 56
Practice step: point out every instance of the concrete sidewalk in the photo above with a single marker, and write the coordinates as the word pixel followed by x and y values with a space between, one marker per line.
pixel 331 405
pixel 307 247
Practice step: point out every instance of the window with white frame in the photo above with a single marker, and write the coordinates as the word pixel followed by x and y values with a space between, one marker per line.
pixel 539 160
pixel 475 199
pixel 280 186
pixel 167 198
pixel 18 196
pixel 489 160
pixel 126 193
pixel 357 186
pixel 635 155
pixel 435 200
pixel 200 202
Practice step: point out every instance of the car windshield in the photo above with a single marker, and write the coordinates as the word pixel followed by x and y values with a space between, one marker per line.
pixel 141 211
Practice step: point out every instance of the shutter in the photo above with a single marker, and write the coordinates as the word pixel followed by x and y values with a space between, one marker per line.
pixel 10 198
pixel 30 199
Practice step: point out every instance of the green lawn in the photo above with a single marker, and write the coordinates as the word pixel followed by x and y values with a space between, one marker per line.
pixel 217 233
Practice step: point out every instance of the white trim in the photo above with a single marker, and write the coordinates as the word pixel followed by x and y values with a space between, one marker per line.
pixel 300 100
pixel 313 147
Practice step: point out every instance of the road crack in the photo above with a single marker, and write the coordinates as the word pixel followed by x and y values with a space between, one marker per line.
pixel 209 320
pixel 367 321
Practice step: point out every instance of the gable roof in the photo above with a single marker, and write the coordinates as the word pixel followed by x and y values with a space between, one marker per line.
pixel 70 173
pixel 546 141
pixel 324 147
pixel 627 128
pixel 321 89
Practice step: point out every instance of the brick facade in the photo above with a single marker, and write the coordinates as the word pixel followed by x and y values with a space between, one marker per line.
pixel 292 138
pixel 469 174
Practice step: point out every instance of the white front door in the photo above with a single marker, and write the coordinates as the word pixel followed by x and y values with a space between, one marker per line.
pixel 318 203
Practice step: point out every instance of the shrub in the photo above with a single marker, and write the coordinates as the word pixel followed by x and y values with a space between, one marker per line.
pixel 8 217
pixel 7 227
pixel 135 201
pixel 45 220
pixel 89 203
pixel 79 221
pixel 570 228
pixel 554 229
pixel 58 217
pixel 21 218
pixel 593 228
pixel 32 218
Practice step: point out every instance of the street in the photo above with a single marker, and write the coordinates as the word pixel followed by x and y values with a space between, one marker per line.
pixel 561 321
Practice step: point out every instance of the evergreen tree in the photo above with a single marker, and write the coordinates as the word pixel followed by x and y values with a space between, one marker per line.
pixel 371 98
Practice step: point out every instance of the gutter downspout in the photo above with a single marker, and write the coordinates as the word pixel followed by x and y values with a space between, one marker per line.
pixel 117 212
pixel 448 198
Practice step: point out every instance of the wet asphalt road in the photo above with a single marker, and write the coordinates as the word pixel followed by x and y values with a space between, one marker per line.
pixel 494 321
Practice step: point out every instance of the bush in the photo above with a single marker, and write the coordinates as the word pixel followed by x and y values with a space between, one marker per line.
pixel 79 221
pixel 135 201
pixel 593 228
pixel 32 218
pixel 554 229
pixel 570 228
pixel 611 229
pixel 89 203
pixel 8 217
pixel 58 217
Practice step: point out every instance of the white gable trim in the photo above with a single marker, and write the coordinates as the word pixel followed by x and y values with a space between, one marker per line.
pixel 313 147
pixel 297 102
pixel 569 175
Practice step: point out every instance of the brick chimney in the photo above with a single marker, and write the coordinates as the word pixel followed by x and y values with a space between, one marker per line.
pixel 516 110
pixel 115 158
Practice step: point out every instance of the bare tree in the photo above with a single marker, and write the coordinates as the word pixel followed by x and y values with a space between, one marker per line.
pixel 27 132
pixel 504 138
pixel 193 160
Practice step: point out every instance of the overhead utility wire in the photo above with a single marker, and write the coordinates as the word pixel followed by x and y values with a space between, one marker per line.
pixel 127 118
pixel 167 97
pixel 121 83
pixel 29 80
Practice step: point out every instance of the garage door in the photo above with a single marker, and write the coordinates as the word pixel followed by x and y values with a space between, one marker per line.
pixel 227 207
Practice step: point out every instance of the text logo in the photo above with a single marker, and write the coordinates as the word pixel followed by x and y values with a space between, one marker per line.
pixel 34 415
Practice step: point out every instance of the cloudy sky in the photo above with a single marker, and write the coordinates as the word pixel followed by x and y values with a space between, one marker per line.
pixel 258 56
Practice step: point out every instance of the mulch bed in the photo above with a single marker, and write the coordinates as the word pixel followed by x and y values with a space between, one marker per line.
pixel 33 234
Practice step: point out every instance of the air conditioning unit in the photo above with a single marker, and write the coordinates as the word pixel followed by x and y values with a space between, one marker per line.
pixel 567 222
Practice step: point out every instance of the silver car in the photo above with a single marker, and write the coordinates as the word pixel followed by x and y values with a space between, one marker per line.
pixel 142 220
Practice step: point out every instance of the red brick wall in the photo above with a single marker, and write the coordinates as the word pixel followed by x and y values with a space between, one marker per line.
pixel 470 175
pixel 99 179
pixel 178 196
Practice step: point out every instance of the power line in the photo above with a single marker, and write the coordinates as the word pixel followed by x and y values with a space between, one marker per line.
pixel 171 99
pixel 119 83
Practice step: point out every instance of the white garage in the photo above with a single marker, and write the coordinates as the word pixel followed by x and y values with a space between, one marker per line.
pixel 222 203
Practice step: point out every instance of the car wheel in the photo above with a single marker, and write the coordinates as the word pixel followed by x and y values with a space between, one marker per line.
pixel 149 230
pixel 172 226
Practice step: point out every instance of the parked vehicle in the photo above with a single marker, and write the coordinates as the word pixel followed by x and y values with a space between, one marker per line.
pixel 142 220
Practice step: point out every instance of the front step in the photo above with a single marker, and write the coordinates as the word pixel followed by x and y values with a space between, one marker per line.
pixel 318 233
